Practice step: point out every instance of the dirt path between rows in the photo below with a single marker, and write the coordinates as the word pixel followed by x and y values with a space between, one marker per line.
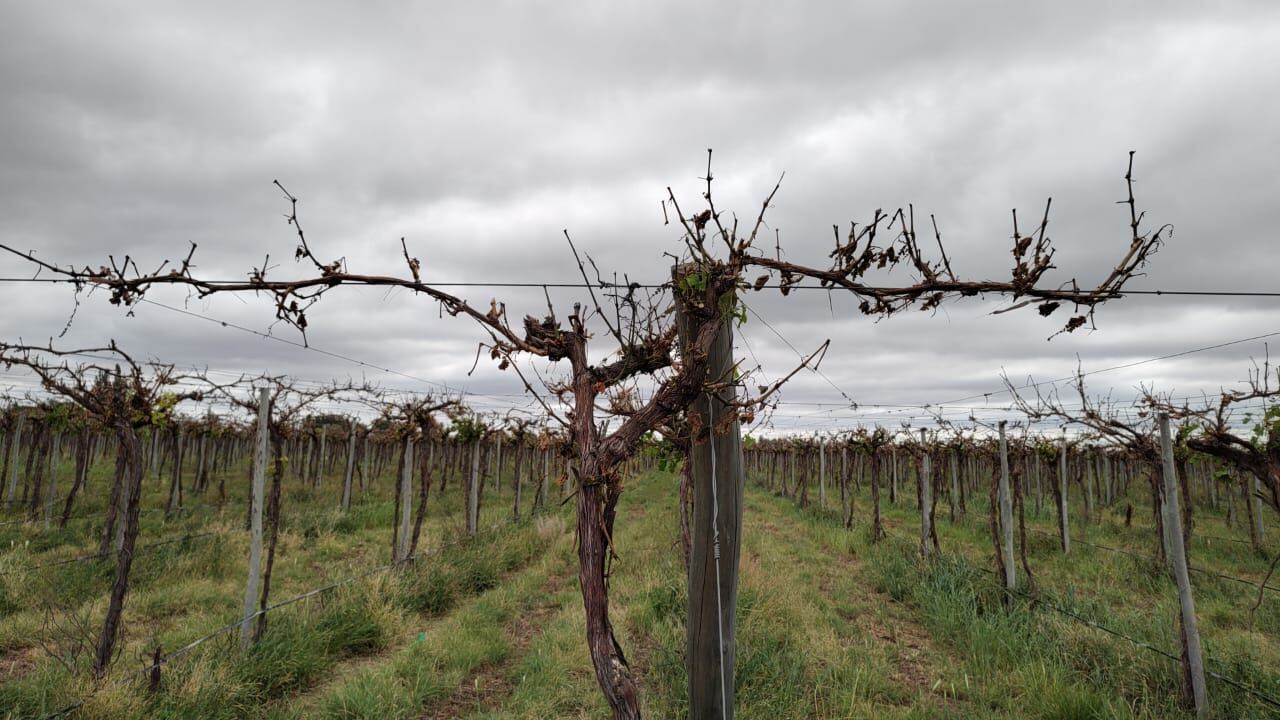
pixel 912 645
pixel 487 685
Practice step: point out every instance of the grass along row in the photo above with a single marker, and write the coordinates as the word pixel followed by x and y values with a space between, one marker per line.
pixel 182 590
pixel 1047 665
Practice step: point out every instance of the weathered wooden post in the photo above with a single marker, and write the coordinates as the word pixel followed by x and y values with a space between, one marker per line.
pixel 14 454
pixel 324 435
pixel 517 481
pixel 1088 486
pixel 924 482
pixel 53 480
pixel 791 460
pixel 255 526
pixel 473 491
pixel 1006 512
pixel 953 496
pixel 406 501
pixel 155 454
pixel 351 467
pixel 1192 658
pixel 364 465
pixel 1064 530
pixel 497 467
pixel 822 473
pixel 153 684
pixel 175 483
pixel 1107 489
pixel 893 482
pixel 717 484
pixel 846 496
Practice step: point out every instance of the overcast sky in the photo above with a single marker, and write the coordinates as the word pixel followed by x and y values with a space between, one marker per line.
pixel 479 132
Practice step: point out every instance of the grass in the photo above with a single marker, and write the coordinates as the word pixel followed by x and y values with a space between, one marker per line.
pixel 829 624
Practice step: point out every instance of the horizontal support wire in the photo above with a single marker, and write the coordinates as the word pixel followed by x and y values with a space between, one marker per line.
pixel 1243 687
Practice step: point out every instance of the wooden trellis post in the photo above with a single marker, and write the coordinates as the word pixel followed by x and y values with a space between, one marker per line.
pixel 954 495
pixel 497 467
pixel 351 466
pixel 324 435
pixel 716 481
pixel 924 482
pixel 14 454
pixel 1064 530
pixel 473 491
pixel 1192 658
pixel 1006 512
pixel 53 481
pixel 893 482
pixel 406 501
pixel 255 514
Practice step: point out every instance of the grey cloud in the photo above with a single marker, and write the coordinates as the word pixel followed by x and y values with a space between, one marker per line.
pixel 480 132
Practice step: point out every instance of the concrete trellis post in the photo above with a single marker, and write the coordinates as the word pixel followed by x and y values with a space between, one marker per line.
pixel 1006 512
pixel 255 526
pixel 1193 660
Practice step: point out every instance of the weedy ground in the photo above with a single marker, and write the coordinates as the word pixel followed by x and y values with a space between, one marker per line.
pixel 829 624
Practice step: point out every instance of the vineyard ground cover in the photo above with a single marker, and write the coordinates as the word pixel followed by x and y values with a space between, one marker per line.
pixel 830 626
pixel 183 590
pixel 812 640
pixel 1033 662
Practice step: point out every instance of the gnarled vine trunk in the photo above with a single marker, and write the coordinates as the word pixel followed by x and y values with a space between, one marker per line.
pixel 129 460
pixel 597 504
